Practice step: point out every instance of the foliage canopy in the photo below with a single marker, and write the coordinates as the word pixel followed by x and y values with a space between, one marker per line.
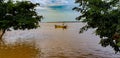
pixel 104 16
pixel 18 15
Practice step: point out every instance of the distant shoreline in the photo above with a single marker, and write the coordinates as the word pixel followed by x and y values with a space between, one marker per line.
pixel 63 22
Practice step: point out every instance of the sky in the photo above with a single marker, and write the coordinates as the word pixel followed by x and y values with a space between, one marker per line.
pixel 56 10
pixel 53 2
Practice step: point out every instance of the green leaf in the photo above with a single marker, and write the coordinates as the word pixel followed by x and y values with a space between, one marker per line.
pixel 118 44
pixel 101 15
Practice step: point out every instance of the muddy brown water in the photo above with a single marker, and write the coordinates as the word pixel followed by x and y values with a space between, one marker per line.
pixel 63 43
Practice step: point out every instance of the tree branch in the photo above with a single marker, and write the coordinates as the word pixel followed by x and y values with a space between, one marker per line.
pixel 3 32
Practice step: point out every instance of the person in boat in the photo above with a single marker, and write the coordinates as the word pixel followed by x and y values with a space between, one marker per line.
pixel 61 26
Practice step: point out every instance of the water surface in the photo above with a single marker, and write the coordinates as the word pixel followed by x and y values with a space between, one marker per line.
pixel 67 43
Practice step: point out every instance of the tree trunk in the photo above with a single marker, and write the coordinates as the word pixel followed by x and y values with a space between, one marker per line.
pixel 3 32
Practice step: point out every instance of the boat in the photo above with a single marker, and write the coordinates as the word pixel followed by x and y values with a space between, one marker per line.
pixel 61 26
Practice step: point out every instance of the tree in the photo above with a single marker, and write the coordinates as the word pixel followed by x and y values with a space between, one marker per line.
pixel 104 16
pixel 18 15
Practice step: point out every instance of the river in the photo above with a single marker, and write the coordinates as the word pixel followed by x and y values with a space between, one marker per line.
pixel 63 43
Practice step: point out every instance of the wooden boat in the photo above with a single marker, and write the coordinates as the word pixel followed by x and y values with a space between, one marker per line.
pixel 61 26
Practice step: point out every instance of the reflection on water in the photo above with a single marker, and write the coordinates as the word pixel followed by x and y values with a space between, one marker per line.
pixel 59 43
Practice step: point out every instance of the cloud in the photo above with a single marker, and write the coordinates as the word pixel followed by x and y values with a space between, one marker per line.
pixel 53 2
